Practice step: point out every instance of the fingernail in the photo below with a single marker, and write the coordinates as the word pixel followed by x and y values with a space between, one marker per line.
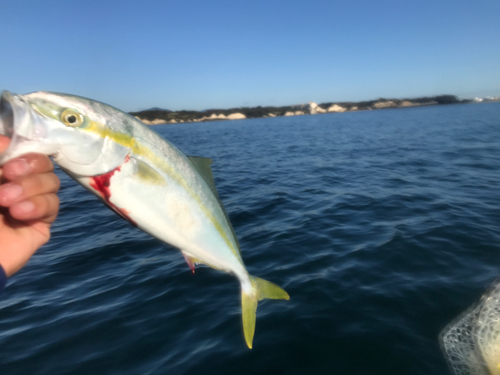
pixel 9 192
pixel 25 207
pixel 20 167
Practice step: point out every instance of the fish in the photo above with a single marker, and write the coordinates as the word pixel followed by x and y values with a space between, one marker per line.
pixel 140 175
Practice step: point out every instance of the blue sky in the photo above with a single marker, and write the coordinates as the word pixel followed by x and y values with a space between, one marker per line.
pixel 193 54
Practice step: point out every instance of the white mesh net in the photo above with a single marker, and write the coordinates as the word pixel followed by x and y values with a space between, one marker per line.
pixel 471 343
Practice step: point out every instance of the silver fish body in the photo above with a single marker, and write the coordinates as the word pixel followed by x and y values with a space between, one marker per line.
pixel 140 175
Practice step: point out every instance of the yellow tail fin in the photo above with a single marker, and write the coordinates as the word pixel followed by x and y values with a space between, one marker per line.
pixel 261 289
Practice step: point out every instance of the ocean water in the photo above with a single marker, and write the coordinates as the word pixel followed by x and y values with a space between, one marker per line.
pixel 383 226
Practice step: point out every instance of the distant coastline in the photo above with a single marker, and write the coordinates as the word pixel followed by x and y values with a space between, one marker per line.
pixel 156 116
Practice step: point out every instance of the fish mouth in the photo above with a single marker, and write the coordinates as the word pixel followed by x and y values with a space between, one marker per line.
pixel 6 115
pixel 26 129
pixel 19 118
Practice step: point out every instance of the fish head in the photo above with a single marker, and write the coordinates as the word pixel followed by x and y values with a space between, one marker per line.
pixel 84 137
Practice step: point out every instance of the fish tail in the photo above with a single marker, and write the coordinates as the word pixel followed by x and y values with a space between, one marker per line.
pixel 260 289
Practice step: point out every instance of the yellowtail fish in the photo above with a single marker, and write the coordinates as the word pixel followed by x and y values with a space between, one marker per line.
pixel 141 176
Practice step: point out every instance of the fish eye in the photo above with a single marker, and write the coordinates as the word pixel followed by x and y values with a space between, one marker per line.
pixel 72 118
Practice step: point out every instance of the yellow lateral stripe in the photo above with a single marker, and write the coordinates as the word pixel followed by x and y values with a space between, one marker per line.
pixel 129 142
pixel 120 138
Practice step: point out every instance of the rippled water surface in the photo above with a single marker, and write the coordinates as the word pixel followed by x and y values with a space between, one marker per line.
pixel 382 226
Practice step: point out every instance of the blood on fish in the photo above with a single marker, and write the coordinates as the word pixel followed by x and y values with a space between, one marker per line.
pixel 102 184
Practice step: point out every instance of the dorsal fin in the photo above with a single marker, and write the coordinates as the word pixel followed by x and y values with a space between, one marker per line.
pixel 202 165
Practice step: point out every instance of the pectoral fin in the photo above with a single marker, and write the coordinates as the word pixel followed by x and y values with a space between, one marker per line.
pixel 146 174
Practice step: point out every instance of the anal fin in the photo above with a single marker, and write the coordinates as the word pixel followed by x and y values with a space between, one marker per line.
pixel 189 261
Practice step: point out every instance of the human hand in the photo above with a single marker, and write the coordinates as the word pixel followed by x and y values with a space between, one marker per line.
pixel 28 207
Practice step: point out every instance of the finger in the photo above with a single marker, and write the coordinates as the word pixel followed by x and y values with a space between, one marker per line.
pixel 4 143
pixel 41 208
pixel 27 187
pixel 27 164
